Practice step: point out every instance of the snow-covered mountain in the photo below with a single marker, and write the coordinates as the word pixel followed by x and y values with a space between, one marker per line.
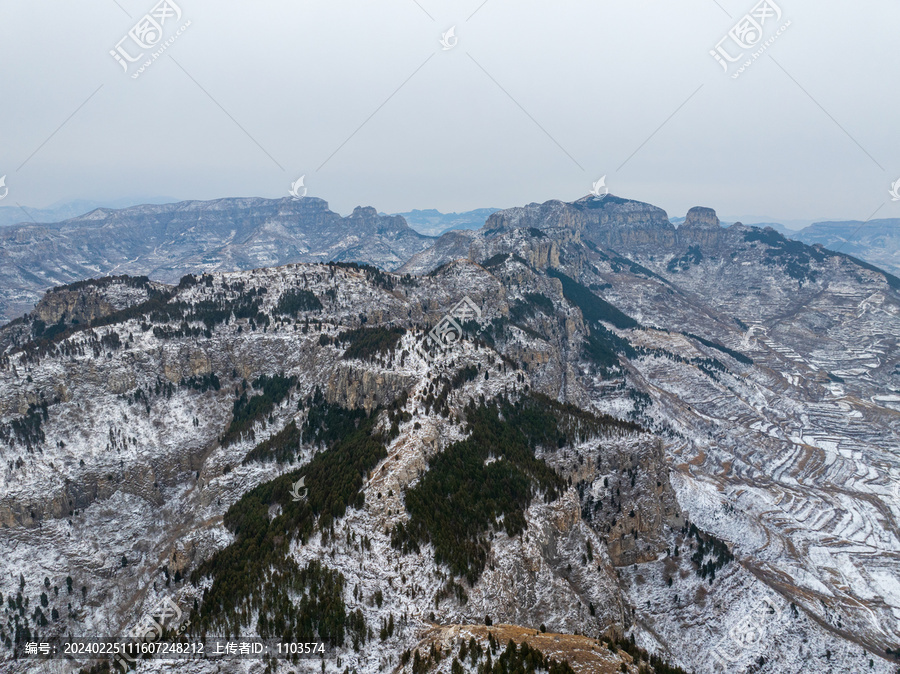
pixel 629 446
pixel 875 241
pixel 167 241
pixel 63 210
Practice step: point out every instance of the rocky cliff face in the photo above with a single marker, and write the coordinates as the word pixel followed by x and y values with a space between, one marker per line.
pixel 701 227
pixel 83 303
pixel 611 221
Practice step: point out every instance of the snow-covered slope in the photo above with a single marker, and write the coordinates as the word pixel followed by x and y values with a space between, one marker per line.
pixel 712 472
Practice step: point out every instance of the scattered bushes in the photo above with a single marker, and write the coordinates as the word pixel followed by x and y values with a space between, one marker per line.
pixel 683 263
pixel 707 546
pixel 202 383
pixel 27 428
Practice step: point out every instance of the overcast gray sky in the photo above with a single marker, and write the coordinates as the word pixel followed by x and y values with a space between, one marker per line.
pixel 534 101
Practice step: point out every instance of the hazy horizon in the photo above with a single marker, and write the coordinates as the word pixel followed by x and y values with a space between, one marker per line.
pixel 126 202
pixel 794 224
pixel 523 105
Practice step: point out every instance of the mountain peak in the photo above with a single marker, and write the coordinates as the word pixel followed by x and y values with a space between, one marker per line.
pixel 364 212
pixel 700 217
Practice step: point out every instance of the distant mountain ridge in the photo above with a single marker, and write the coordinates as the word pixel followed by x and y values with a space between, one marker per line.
pixel 645 240
pixel 434 223
pixel 15 215
pixel 168 241
pixel 875 241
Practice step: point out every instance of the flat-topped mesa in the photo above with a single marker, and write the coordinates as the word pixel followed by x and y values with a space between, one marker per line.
pixel 608 221
pixel 550 214
pixel 368 219
pixel 701 227
pixel 700 217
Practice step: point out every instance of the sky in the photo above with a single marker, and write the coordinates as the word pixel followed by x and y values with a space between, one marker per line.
pixel 381 104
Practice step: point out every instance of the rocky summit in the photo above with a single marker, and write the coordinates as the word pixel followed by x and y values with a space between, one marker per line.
pixel 578 439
